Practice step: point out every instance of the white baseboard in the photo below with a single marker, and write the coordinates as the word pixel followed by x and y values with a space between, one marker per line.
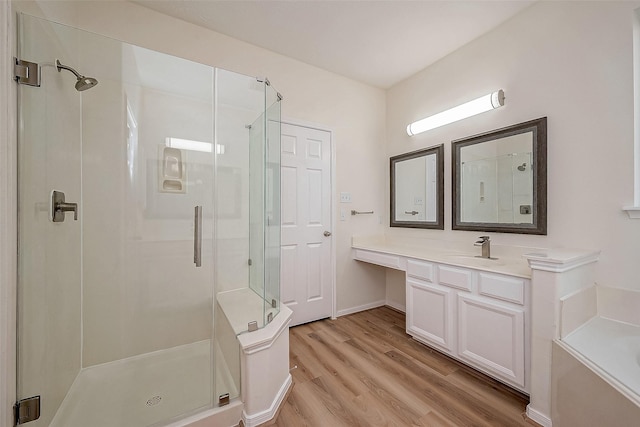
pixel 264 416
pixel 361 308
pixel 538 417
pixel 396 305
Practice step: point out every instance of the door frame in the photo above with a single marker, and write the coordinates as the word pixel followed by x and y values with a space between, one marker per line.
pixel 332 174
pixel 8 213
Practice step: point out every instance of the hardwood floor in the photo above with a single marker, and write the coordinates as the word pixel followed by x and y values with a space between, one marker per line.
pixel 364 370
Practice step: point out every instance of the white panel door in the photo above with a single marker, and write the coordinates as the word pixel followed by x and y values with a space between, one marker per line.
pixel 306 223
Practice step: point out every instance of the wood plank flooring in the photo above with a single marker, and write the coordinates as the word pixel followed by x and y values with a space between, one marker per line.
pixel 364 370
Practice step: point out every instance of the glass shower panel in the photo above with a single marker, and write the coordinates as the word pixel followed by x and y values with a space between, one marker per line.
pixel 264 207
pixel 115 319
pixel 248 186
pixel 257 199
pixel 49 260
pixel 272 204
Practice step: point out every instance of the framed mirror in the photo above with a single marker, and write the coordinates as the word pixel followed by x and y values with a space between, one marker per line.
pixel 500 180
pixel 417 189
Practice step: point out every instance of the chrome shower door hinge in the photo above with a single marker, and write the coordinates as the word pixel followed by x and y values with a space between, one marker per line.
pixel 223 399
pixel 26 73
pixel 27 410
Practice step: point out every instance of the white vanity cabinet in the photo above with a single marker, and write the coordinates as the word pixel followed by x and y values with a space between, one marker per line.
pixel 430 307
pixel 474 316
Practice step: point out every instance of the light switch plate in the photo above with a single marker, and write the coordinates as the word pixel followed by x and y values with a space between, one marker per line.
pixel 345 197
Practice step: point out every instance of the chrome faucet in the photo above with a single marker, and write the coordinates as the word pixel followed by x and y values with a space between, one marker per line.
pixel 485 242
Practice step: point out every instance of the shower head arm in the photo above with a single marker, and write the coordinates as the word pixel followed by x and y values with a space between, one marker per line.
pixel 60 66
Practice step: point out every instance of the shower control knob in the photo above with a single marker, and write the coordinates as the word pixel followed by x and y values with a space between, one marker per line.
pixel 59 207
pixel 327 233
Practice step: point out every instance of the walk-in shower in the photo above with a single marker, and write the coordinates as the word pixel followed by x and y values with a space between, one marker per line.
pixel 117 326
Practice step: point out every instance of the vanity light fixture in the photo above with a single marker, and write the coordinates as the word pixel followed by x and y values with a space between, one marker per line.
pixel 187 144
pixel 468 109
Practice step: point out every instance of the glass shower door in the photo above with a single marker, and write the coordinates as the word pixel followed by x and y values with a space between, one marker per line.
pixel 115 319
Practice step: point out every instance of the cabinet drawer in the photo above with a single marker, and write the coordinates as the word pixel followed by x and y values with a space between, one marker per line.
pixel 420 270
pixel 378 258
pixel 455 277
pixel 501 287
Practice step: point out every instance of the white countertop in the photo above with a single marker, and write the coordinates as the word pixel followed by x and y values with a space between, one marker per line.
pixel 443 253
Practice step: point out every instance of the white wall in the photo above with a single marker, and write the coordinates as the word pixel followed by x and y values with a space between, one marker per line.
pixel 355 112
pixel 571 62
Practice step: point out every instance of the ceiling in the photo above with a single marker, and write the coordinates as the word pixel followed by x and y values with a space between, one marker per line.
pixel 376 42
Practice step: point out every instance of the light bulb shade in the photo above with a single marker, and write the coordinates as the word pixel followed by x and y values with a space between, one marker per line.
pixel 468 109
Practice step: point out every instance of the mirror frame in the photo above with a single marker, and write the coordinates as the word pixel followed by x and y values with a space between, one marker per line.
pixel 539 150
pixel 438 224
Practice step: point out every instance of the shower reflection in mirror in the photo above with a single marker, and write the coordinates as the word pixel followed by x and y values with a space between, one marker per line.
pixel 500 180
pixel 417 188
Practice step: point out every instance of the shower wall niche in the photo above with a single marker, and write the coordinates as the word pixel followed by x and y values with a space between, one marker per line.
pixel 112 307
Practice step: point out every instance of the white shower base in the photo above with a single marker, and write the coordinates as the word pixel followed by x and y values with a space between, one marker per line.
pixel 145 390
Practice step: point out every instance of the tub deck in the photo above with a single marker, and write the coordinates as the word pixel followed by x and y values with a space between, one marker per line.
pixel 613 350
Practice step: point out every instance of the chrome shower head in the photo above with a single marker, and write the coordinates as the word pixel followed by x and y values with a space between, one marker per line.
pixel 83 82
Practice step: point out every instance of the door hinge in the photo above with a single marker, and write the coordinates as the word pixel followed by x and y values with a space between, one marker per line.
pixel 249 262
pixel 27 410
pixel 223 399
pixel 26 73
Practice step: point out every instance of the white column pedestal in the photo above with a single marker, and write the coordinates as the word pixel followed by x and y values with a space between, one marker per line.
pixel 555 273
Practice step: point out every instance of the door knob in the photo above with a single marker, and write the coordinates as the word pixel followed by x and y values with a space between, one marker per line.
pixel 59 207
pixel 327 233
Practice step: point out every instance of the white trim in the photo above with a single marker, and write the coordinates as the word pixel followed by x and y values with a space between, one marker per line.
pixel 268 414
pixel 324 128
pixel 360 308
pixel 560 261
pixel 538 417
pixel 8 216
pixel 633 211
pixel 396 306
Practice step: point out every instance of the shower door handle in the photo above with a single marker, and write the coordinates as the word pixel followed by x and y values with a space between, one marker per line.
pixel 197 236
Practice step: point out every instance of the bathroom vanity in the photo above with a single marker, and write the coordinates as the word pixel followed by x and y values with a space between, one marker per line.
pixel 473 309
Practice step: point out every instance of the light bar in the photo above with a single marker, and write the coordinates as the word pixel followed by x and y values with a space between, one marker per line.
pixel 187 144
pixel 468 109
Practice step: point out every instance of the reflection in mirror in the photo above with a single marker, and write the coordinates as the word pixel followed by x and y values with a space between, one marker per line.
pixel 500 180
pixel 417 186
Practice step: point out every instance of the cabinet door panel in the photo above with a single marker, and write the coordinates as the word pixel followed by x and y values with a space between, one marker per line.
pixel 430 311
pixel 491 336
